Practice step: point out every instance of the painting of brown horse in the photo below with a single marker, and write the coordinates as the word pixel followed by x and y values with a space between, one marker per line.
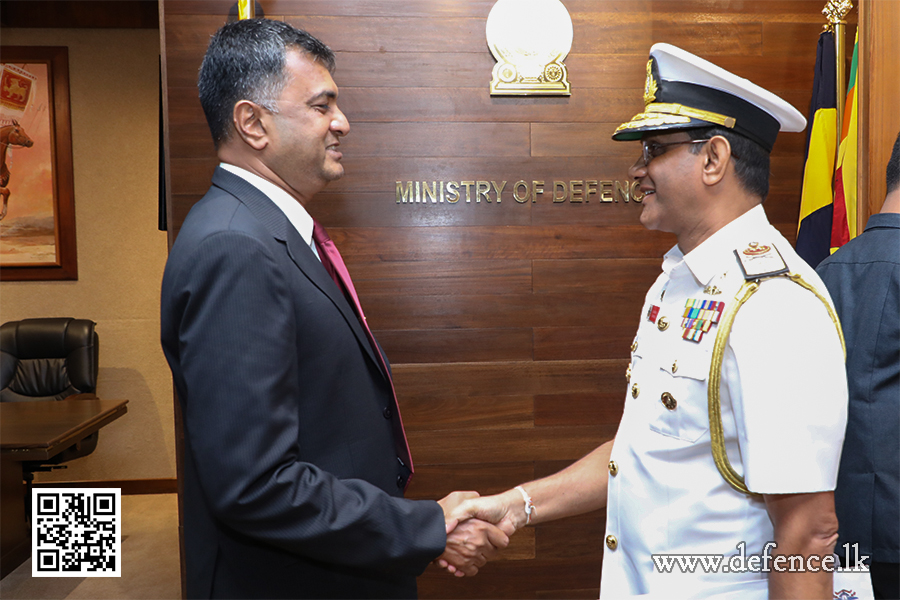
pixel 37 217
pixel 10 135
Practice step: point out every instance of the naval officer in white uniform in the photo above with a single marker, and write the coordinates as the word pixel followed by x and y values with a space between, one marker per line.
pixel 737 397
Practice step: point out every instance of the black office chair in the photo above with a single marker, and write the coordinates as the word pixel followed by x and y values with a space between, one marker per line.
pixel 50 359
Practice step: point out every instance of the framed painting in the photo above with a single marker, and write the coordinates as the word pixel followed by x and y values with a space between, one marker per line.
pixel 37 219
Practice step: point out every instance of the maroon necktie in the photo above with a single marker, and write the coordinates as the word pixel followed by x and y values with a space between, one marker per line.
pixel 334 264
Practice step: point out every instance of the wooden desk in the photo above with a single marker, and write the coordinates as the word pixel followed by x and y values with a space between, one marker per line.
pixel 38 431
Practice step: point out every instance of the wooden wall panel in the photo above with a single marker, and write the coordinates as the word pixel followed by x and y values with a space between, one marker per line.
pixel 480 311
pixel 498 277
pixel 879 89
pixel 456 345
pixel 438 139
pixel 593 407
pixel 473 412
pixel 508 323
pixel 366 209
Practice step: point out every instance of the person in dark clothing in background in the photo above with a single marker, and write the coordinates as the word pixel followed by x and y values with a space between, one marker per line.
pixel 863 278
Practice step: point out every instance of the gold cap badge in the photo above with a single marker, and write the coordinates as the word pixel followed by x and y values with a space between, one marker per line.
pixel 650 86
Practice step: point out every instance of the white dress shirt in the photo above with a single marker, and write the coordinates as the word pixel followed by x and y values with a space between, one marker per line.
pixel 292 209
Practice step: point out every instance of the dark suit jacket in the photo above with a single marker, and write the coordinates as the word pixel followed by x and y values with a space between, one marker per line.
pixel 292 486
pixel 863 278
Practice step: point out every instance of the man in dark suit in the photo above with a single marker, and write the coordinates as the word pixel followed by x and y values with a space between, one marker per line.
pixel 863 277
pixel 295 459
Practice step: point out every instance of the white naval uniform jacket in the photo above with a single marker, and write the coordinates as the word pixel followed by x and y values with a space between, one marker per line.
pixel 784 411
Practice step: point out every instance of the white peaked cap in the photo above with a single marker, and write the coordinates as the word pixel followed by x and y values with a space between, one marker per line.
pixel 684 91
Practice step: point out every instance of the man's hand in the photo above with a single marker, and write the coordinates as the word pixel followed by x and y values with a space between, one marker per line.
pixel 505 510
pixel 449 504
pixel 469 526
pixel 470 545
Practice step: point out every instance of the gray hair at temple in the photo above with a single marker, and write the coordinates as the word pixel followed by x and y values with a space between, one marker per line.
pixel 246 60
pixel 893 167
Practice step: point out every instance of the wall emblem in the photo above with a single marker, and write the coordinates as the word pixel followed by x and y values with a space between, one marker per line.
pixel 529 39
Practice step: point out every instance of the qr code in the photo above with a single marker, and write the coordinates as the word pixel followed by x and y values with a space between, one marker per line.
pixel 75 532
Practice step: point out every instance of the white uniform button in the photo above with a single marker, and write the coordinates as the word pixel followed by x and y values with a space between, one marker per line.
pixel 634 345
pixel 662 323
pixel 613 468
pixel 635 390
pixel 669 401
pixel 611 542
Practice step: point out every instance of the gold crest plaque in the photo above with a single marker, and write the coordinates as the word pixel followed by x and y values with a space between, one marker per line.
pixel 529 39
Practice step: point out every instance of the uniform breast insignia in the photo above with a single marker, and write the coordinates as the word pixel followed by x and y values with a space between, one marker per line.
pixel 760 260
pixel 652 313
pixel 699 317
pixel 711 290
pixel 754 249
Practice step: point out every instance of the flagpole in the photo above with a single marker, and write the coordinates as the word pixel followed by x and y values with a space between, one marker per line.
pixel 835 11
pixel 246 9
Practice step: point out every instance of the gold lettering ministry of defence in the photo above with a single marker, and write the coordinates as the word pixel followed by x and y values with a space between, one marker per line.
pixel 575 191
pixel 529 40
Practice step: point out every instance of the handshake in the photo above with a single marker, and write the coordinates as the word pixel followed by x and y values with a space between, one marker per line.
pixel 479 527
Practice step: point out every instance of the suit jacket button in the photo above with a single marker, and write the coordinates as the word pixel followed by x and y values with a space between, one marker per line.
pixel 386 412
pixel 400 481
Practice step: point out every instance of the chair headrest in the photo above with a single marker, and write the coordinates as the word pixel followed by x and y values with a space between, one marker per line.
pixel 48 359
pixel 45 338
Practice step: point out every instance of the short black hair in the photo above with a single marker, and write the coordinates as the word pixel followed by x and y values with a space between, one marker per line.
pixel 246 60
pixel 751 161
pixel 893 167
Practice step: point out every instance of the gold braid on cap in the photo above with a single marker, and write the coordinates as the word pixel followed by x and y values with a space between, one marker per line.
pixel 648 120
pixel 716 430
pixel 659 113
pixel 680 109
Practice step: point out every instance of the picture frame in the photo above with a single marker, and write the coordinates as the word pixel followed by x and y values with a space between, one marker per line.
pixel 37 231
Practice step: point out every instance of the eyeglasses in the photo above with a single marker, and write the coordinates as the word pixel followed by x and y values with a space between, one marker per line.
pixel 651 150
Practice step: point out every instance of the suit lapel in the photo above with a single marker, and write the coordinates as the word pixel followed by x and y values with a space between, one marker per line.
pixel 306 261
pixel 299 252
